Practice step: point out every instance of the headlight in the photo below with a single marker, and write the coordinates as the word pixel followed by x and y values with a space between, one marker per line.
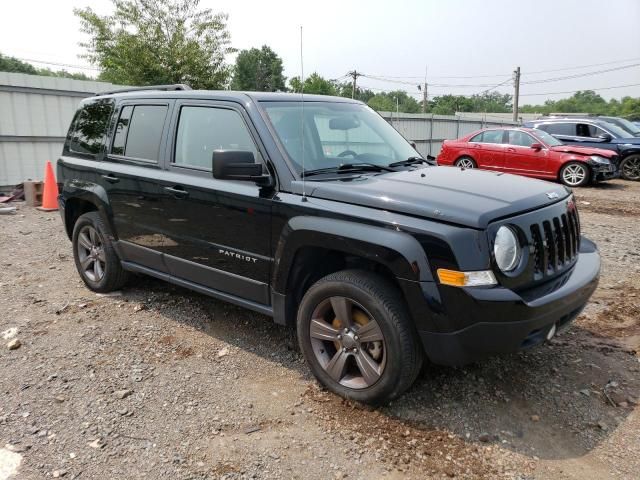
pixel 506 249
pixel 599 160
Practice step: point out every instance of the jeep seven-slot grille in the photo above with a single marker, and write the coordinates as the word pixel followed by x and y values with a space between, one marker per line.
pixel 555 242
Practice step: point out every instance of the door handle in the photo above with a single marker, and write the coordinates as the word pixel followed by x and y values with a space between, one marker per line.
pixel 511 149
pixel 111 178
pixel 177 191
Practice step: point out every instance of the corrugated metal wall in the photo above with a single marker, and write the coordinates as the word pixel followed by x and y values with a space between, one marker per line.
pixel 429 131
pixel 35 112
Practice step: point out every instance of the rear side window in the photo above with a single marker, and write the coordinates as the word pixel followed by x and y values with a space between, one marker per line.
pixel 559 128
pixel 89 129
pixel 201 130
pixel 139 131
pixel 492 136
pixel 477 138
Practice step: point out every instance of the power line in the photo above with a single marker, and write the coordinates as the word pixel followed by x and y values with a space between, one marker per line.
pixel 59 64
pixel 443 77
pixel 580 75
pixel 581 90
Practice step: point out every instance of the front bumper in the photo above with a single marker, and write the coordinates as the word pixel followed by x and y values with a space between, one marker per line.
pixel 508 321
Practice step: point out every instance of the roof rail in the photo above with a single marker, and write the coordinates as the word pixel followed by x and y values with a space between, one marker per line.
pixel 166 88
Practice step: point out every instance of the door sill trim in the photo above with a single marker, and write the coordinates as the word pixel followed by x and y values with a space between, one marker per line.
pixel 241 302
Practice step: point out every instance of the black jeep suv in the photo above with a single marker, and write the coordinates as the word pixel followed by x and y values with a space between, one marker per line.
pixel 316 212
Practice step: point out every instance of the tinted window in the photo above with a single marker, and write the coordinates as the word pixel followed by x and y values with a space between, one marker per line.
pixel 559 128
pixel 88 131
pixel 492 136
pixel 516 137
pixel 476 138
pixel 122 128
pixel 139 131
pixel 586 130
pixel 201 130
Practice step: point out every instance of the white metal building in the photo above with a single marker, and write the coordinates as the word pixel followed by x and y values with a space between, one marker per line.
pixel 35 112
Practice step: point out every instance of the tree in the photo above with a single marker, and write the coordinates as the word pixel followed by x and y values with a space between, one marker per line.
pixel 258 70
pixel 450 104
pixel 314 83
pixel 345 89
pixel 491 102
pixel 388 101
pixel 158 42
pixel 12 64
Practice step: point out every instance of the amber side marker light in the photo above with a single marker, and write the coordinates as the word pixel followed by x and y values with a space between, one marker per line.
pixel 455 278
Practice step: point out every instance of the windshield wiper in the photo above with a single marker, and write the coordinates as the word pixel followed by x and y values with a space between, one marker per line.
pixel 413 161
pixel 349 168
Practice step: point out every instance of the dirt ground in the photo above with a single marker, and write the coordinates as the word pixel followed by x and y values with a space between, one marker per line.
pixel 160 382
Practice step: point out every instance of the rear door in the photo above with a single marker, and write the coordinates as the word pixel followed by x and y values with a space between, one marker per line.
pixel 521 159
pixel 130 176
pixel 489 149
pixel 217 232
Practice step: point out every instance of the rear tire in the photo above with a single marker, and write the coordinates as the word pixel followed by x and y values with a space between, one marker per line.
pixel 465 163
pixel 630 168
pixel 575 174
pixel 372 357
pixel 94 255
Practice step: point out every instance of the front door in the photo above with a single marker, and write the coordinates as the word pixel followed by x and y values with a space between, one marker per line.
pixel 521 159
pixel 216 232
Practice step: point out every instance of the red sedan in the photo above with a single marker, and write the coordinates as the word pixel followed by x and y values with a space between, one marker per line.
pixel 530 152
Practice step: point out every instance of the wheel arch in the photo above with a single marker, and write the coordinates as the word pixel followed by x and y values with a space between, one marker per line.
pixel 311 248
pixel 81 197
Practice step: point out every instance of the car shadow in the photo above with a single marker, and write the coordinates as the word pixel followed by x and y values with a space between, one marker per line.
pixel 548 402
pixel 618 185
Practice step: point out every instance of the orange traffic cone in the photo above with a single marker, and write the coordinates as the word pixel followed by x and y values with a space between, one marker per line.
pixel 50 195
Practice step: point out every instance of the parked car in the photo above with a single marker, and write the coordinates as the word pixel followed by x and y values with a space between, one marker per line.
pixel 378 259
pixel 529 152
pixel 599 134
pixel 624 124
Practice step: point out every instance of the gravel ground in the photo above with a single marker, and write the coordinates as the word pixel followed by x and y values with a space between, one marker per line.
pixel 159 382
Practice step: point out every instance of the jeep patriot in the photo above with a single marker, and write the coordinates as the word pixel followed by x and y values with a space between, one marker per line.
pixel 318 213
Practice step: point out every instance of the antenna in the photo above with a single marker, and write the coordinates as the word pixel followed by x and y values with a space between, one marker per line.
pixel 304 191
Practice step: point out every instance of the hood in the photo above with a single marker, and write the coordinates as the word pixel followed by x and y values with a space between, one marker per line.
pixel 583 150
pixel 465 197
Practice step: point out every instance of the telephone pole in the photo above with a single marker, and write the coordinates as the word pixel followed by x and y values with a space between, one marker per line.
pixel 425 98
pixel 516 94
pixel 354 75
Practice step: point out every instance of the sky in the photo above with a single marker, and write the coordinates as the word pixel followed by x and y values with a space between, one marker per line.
pixel 398 41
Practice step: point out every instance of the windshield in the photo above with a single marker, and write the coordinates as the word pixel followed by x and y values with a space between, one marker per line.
pixel 625 125
pixel 336 134
pixel 550 140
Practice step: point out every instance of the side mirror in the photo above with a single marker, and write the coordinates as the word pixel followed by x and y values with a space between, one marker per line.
pixel 536 146
pixel 604 137
pixel 238 165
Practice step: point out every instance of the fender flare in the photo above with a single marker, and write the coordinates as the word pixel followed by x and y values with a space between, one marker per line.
pixel 87 192
pixel 399 251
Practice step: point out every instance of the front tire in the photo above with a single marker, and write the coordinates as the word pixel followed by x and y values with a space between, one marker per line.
pixel 355 333
pixel 465 162
pixel 575 174
pixel 94 255
pixel 630 168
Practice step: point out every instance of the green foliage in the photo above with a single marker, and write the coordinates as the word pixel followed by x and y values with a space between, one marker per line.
pixel 588 101
pixel 12 64
pixel 158 42
pixel 389 101
pixel 315 84
pixel 345 90
pixel 485 102
pixel 258 70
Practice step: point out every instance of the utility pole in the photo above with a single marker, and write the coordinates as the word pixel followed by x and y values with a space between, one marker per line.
pixel 516 95
pixel 354 75
pixel 425 98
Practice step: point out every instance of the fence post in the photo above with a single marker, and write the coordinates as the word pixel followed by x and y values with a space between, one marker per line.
pixel 431 134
